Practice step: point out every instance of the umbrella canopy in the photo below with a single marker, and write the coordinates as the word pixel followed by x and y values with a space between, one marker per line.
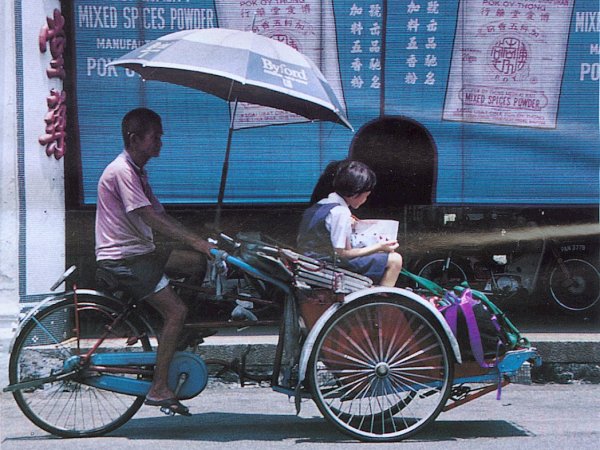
pixel 239 66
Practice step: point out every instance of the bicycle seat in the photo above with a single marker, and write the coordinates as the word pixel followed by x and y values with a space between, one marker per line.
pixel 106 281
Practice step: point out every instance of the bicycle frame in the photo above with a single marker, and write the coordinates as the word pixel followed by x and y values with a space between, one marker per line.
pixel 131 362
pixel 380 348
pixel 221 255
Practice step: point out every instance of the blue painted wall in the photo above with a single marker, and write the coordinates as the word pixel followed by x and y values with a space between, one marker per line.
pixel 478 163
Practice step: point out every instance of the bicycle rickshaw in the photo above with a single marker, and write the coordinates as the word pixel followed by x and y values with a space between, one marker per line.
pixel 380 363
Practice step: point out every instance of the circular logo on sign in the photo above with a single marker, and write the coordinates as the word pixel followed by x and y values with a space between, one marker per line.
pixel 509 55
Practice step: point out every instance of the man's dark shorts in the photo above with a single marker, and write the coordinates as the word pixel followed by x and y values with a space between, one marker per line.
pixel 137 276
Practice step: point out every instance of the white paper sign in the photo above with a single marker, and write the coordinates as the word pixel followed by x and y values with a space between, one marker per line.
pixel 507 62
pixel 307 25
pixel 373 231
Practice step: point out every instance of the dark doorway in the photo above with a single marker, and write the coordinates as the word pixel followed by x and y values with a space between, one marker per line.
pixel 403 155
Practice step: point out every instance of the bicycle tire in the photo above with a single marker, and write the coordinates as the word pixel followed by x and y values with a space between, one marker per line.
pixel 575 287
pixel 434 270
pixel 69 407
pixel 381 369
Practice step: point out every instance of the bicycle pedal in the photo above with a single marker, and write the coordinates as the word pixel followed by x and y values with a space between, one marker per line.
pixel 167 411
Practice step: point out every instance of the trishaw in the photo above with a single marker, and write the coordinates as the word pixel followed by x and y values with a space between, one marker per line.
pixel 380 363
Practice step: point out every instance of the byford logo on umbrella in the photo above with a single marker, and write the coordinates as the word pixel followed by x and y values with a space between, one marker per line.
pixel 155 47
pixel 287 74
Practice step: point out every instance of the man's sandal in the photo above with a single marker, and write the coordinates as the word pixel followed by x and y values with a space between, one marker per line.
pixel 171 404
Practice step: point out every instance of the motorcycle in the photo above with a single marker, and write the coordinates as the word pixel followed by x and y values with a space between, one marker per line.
pixel 561 271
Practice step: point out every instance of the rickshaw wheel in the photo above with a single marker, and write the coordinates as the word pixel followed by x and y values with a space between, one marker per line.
pixel 381 368
pixel 69 407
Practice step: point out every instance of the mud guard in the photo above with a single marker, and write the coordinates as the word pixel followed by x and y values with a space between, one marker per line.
pixel 314 332
pixel 54 298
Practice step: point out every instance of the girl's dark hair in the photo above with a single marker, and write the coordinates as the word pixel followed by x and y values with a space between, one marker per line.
pixel 138 121
pixel 352 178
pixel 324 185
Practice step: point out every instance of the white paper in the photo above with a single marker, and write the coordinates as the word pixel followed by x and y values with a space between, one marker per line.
pixel 373 231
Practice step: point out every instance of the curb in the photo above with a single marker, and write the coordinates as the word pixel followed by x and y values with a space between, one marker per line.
pixel 582 348
pixel 566 357
pixel 561 348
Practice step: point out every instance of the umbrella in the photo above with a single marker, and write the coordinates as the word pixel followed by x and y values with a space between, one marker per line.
pixel 238 66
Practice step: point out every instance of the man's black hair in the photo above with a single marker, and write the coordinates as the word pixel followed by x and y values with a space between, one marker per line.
pixel 138 121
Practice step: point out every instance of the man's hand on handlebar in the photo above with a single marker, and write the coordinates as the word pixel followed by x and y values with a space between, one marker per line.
pixel 203 246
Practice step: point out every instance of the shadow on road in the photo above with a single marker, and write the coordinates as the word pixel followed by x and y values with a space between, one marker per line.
pixel 228 427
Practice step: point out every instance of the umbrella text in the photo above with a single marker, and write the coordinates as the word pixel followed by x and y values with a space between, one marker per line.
pixel 287 74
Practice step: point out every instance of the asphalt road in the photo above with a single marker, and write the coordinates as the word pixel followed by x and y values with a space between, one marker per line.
pixel 226 416
pixel 229 417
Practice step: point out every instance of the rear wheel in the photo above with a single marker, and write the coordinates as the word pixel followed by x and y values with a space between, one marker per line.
pixel 68 407
pixel 381 369
pixel 575 286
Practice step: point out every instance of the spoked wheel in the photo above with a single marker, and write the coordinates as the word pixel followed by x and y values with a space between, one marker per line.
pixel 66 406
pixel 575 285
pixel 443 273
pixel 392 410
pixel 381 369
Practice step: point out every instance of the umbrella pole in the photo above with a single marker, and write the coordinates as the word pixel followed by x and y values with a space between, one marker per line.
pixel 225 167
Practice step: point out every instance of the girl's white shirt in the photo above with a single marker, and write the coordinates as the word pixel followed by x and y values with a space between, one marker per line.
pixel 339 221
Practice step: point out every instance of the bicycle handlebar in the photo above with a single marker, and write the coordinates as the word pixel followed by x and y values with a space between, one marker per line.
pixel 229 250
pixel 228 242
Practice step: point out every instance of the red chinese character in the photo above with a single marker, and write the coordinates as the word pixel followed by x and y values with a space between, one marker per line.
pixel 56 125
pixel 54 34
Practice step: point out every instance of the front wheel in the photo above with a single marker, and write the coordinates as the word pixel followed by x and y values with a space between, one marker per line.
pixel 67 407
pixel 575 285
pixel 381 369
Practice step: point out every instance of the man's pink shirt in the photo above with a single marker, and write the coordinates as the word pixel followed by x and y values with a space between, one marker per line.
pixel 120 231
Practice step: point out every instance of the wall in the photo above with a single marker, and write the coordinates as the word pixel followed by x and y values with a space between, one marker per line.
pixel 32 219
pixel 9 223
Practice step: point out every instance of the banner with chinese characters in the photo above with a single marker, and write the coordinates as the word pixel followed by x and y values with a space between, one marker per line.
pixel 307 25
pixel 366 37
pixel 507 62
